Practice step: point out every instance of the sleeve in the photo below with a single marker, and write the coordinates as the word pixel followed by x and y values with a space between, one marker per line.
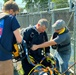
pixel 47 49
pixel 26 34
pixel 27 37
pixel 15 24
pixel 60 38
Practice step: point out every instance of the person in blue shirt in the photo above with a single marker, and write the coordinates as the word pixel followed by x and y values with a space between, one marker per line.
pixel 9 27
pixel 62 41
pixel 35 35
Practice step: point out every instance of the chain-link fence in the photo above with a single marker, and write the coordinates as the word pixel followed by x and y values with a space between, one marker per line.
pixel 32 18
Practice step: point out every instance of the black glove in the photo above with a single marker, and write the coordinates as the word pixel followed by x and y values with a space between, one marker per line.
pixel 54 46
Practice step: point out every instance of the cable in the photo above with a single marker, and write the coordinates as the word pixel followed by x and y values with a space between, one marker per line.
pixel 68 68
pixel 35 68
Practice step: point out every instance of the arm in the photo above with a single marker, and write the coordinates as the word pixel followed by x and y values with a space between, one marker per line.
pixel 27 36
pixel 16 29
pixel 17 35
pixel 45 44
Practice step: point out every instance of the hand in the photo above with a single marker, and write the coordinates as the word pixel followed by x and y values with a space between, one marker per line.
pixel 34 47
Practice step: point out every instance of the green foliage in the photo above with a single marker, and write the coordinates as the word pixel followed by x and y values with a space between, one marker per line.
pixel 42 5
pixel 29 5
pixel 60 3
pixel 33 5
pixel 7 0
pixel 21 10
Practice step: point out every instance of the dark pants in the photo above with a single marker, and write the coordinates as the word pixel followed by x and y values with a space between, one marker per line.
pixel 26 66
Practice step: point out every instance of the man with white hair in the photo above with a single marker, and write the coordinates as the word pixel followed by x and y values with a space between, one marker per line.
pixel 35 35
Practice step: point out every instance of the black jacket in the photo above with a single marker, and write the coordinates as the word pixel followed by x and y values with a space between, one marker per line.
pixel 31 36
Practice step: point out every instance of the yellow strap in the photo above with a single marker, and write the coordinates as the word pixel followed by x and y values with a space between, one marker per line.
pixel 16 53
pixel 62 30
pixel 32 59
pixel 35 67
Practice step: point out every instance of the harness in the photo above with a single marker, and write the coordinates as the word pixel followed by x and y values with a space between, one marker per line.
pixel 39 68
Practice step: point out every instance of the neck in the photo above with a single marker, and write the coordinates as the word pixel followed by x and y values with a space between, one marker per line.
pixel 36 28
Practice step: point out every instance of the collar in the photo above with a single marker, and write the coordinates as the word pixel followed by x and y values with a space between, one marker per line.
pixel 36 29
pixel 62 31
pixel 3 15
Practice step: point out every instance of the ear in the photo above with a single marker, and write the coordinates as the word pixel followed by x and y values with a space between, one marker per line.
pixel 10 11
pixel 38 25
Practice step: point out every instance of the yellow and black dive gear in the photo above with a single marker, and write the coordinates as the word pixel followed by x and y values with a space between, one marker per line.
pixel 18 51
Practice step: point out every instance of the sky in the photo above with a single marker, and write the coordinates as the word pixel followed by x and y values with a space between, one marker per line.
pixel 19 2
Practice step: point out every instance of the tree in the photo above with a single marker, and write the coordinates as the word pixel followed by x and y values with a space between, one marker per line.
pixel 33 5
pixel 21 10
pixel 7 0
pixel 60 3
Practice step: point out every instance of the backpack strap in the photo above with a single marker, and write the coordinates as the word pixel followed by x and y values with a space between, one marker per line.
pixel 1 31
pixel 1 27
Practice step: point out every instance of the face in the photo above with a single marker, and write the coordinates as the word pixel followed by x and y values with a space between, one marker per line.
pixel 42 28
pixel 57 30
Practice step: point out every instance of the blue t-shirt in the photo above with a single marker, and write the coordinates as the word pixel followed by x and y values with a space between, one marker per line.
pixel 10 25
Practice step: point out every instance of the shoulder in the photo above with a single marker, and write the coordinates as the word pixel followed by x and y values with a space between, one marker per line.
pixel 10 18
pixel 28 29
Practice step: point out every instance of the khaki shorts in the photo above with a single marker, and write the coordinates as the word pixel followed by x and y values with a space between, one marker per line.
pixel 6 67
